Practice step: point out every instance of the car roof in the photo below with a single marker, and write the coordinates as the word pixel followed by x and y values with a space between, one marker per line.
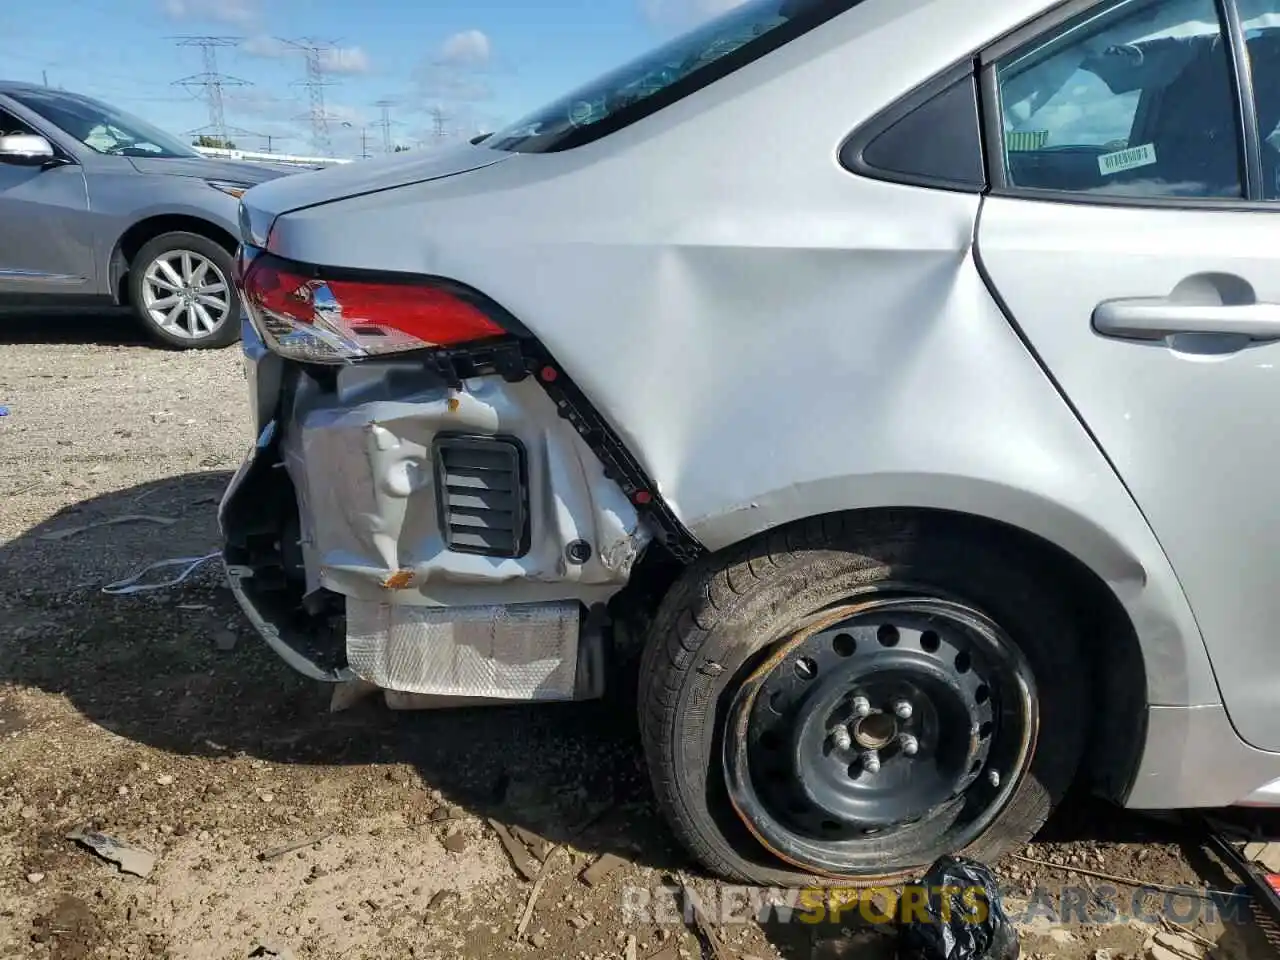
pixel 19 86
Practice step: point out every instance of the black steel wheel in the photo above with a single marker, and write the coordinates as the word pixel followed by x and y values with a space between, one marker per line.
pixel 852 706
pixel 874 719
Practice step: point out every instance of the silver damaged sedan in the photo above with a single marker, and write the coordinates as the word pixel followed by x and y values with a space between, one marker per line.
pixel 899 376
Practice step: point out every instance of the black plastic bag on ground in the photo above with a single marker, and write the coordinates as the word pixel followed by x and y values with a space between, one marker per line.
pixel 954 913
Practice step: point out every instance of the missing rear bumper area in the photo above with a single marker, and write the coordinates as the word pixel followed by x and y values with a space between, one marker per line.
pixel 440 542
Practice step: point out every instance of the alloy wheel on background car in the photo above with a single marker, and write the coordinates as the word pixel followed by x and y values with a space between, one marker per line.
pixel 186 294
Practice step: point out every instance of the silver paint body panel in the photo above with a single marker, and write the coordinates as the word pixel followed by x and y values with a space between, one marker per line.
pixel 1189 423
pixel 774 338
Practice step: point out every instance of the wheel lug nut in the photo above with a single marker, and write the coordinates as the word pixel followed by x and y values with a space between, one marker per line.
pixel 871 761
pixel 861 707
pixel 993 777
pixel 903 710
pixel 909 744
pixel 840 737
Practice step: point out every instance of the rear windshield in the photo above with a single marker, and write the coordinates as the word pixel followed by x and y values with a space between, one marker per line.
pixel 667 74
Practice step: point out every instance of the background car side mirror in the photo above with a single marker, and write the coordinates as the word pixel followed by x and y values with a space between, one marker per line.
pixel 26 150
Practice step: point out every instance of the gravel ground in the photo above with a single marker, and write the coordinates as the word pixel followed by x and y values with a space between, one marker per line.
pixel 161 721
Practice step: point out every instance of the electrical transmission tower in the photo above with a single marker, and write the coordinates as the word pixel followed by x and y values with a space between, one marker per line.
pixel 385 123
pixel 439 123
pixel 314 54
pixel 211 82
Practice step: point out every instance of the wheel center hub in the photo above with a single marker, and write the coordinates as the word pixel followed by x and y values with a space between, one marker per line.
pixel 876 731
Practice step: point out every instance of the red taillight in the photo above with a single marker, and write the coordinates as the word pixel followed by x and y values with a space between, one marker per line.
pixel 283 293
pixel 334 320
pixel 430 314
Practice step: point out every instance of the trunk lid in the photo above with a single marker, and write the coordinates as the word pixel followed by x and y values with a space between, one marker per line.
pixel 318 187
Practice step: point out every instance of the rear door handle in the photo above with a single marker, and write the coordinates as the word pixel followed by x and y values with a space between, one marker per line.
pixel 1154 318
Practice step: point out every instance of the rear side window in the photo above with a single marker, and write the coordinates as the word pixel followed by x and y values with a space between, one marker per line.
pixel 1134 101
pixel 667 74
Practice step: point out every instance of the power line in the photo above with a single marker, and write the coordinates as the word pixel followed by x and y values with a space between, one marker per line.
pixel 211 81
pixel 315 54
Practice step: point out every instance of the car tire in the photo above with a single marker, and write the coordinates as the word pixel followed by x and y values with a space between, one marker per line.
pixel 736 626
pixel 159 300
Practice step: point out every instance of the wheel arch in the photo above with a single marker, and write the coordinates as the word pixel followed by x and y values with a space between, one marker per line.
pixel 147 229
pixel 1101 580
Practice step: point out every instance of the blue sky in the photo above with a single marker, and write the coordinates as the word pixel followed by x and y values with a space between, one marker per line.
pixel 473 63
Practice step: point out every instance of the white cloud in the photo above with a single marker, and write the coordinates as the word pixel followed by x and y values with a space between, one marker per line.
pixel 684 13
pixel 344 60
pixel 241 13
pixel 469 48
pixel 332 59
pixel 458 72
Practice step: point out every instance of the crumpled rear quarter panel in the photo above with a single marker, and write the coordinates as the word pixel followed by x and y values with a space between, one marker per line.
pixel 773 337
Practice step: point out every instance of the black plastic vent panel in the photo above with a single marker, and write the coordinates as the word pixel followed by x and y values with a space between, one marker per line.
pixel 483 495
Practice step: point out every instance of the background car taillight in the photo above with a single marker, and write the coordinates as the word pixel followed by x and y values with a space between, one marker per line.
pixel 324 320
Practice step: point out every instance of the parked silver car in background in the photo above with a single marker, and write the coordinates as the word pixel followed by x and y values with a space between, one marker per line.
pixel 904 371
pixel 97 206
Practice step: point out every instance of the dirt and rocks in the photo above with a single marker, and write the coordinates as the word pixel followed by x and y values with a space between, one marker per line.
pixel 281 828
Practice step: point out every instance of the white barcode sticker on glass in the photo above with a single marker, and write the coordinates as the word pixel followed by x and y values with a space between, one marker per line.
pixel 1127 159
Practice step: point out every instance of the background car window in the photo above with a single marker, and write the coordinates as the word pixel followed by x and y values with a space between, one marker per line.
pixel 11 125
pixel 102 128
pixel 1135 101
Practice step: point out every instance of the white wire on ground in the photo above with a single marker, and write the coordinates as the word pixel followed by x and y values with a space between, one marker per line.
pixel 133 585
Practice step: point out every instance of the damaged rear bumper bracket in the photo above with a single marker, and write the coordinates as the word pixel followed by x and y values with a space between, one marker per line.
pixel 518 358
pixel 453 568
pixel 290 646
pixel 618 462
